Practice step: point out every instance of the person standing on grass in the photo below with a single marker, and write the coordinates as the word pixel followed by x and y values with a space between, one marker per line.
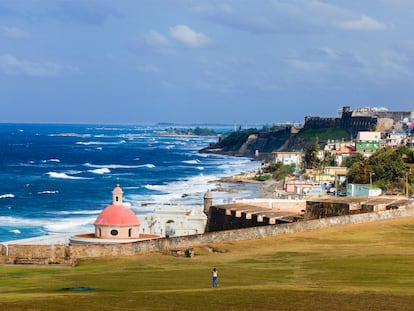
pixel 214 273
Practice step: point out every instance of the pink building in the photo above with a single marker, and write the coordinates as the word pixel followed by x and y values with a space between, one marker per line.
pixel 117 221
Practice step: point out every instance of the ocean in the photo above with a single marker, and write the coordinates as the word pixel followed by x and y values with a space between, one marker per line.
pixel 57 178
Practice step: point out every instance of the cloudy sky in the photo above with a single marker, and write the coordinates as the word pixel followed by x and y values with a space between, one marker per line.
pixel 189 61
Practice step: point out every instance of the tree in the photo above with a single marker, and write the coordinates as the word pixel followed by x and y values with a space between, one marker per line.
pixel 359 171
pixel 386 164
pixel 352 159
pixel 311 156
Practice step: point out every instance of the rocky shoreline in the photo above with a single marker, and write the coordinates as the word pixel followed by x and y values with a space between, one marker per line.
pixel 259 189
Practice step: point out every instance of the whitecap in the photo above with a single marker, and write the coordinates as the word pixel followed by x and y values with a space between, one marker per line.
pixel 81 212
pixel 7 196
pixel 80 224
pixel 48 192
pixel 63 176
pixel 87 143
pixel 51 160
pixel 100 171
pixel 15 231
pixel 117 166
pixel 191 161
pixel 154 187
pixel 6 221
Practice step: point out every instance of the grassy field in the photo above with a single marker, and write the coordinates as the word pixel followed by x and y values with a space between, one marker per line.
pixel 355 267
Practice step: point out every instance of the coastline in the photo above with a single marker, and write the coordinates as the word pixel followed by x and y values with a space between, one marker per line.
pixel 259 189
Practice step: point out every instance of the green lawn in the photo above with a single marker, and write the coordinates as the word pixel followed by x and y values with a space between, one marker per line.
pixel 356 267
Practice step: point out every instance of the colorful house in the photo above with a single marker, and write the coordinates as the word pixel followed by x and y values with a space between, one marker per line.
pixel 288 158
pixel 368 142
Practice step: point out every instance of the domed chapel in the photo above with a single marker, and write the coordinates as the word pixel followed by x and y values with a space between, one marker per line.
pixel 117 221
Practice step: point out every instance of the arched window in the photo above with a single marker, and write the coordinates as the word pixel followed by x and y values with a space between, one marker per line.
pixel 130 232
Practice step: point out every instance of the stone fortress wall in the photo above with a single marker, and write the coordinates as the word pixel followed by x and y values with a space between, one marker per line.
pixel 70 254
pixel 361 119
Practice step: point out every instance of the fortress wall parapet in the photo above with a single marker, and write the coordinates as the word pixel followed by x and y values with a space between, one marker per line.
pixel 72 253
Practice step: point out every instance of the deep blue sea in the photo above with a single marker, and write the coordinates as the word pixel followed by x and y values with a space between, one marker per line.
pixel 57 178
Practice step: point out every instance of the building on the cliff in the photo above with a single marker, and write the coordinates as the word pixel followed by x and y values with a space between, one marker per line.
pixel 395 139
pixel 362 119
pixel 367 142
pixel 288 158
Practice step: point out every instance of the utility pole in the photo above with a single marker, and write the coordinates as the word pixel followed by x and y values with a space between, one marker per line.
pixel 406 183
pixel 370 179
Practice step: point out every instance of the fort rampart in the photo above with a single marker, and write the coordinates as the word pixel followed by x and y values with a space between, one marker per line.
pixel 69 254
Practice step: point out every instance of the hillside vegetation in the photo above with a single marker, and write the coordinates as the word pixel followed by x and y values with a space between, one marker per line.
pixel 355 267
pixel 246 142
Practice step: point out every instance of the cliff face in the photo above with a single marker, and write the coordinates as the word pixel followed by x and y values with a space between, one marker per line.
pixel 246 143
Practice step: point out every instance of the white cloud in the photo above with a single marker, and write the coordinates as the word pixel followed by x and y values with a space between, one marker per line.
pixel 156 39
pixel 346 59
pixel 11 65
pixel 363 23
pixel 13 32
pixel 188 36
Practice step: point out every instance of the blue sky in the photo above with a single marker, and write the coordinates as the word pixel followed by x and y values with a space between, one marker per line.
pixel 185 61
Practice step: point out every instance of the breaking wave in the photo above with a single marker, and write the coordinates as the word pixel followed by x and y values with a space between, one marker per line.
pixel 7 196
pixel 63 176
pixel 100 171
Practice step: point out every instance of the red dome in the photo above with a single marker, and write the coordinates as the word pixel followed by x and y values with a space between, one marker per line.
pixel 117 215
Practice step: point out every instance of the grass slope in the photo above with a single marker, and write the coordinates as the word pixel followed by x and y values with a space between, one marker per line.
pixel 355 267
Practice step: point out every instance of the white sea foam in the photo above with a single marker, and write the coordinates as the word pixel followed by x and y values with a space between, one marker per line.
pixel 7 196
pixel 79 224
pixel 51 160
pixel 192 161
pixel 15 231
pixel 100 171
pixel 81 212
pixel 118 166
pixel 62 225
pixel 71 135
pixel 7 221
pixel 63 176
pixel 189 191
pixel 87 143
pixel 48 192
